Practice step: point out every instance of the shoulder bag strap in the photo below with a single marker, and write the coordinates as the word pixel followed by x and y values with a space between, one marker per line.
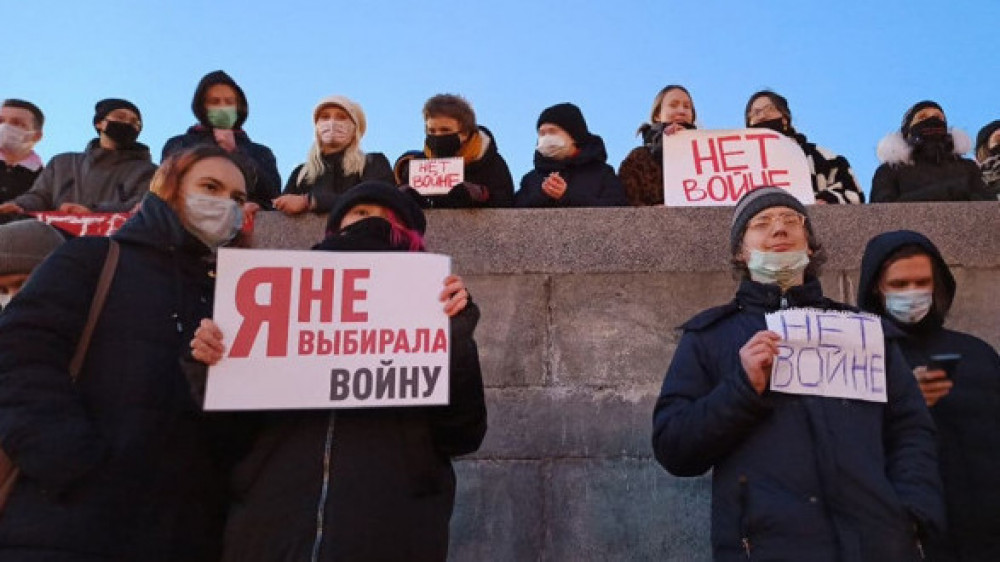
pixel 96 306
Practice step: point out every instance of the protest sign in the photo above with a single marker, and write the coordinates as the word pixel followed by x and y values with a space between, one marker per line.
pixel 329 330
pixel 829 353
pixel 436 176
pixel 716 168
pixel 84 224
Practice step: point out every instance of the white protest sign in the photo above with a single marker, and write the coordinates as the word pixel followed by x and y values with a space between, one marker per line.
pixel 829 353
pixel 436 176
pixel 715 168
pixel 329 330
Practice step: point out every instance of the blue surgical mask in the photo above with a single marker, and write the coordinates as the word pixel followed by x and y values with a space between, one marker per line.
pixel 909 307
pixel 780 268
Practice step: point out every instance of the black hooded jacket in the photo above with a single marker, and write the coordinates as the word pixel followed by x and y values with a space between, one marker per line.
pixel 968 418
pixel 590 181
pixel 259 158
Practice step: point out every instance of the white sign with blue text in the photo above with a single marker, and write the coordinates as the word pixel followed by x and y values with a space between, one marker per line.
pixel 836 354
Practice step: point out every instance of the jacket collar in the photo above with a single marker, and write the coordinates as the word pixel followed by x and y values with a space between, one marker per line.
pixel 761 297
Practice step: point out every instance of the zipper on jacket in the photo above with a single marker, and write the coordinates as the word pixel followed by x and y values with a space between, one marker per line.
pixel 784 302
pixel 324 489
pixel 744 516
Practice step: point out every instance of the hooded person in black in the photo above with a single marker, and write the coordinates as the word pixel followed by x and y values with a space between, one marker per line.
pixel 905 279
pixel 220 122
pixel 571 167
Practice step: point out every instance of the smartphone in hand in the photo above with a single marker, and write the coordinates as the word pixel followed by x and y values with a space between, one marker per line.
pixel 946 362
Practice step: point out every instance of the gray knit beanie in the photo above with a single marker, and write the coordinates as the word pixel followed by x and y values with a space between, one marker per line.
pixel 756 201
pixel 26 243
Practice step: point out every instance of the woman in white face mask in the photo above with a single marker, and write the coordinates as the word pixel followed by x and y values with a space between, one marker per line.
pixel 571 167
pixel 128 436
pixel 336 162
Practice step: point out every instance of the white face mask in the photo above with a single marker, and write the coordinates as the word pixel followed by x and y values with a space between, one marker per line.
pixel 213 220
pixel 553 146
pixel 14 139
pixel 909 307
pixel 335 131
pixel 781 268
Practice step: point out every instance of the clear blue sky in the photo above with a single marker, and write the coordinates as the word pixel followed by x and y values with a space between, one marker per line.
pixel 849 69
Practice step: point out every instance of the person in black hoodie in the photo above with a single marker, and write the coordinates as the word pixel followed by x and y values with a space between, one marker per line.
pixel 450 124
pixel 336 162
pixel 905 279
pixel 123 464
pixel 372 484
pixel 571 167
pixel 221 108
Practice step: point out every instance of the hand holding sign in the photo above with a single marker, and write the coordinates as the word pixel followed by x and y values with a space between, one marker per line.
pixel 757 357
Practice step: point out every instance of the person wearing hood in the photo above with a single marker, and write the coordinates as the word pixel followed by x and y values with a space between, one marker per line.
pixel 571 167
pixel 794 476
pixel 122 463
pixel 336 162
pixel 20 129
pixel 450 124
pixel 365 483
pixel 832 178
pixel 23 245
pixel 641 172
pixel 923 161
pixel 905 279
pixel 988 156
pixel 109 176
pixel 221 108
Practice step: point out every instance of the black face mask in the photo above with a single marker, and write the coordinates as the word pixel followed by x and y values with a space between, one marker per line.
pixel 930 128
pixel 443 146
pixel 123 134
pixel 995 151
pixel 372 234
pixel 777 125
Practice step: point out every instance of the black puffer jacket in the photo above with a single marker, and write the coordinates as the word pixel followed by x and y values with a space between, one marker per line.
pixel 968 418
pixel 590 181
pixel 795 477
pixel 365 484
pixel 332 183
pixel 124 465
pixel 900 178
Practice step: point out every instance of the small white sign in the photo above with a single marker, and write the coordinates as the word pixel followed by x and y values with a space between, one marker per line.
pixel 436 176
pixel 716 168
pixel 829 353
pixel 314 329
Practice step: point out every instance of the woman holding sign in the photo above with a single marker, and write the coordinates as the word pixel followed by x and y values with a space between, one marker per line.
pixel 360 484
pixel 641 172
pixel 336 162
pixel 121 464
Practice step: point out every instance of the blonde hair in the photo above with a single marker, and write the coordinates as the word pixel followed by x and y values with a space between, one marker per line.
pixel 354 157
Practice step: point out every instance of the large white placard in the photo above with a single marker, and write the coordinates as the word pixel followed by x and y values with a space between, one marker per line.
pixel 715 168
pixel 829 353
pixel 436 176
pixel 330 330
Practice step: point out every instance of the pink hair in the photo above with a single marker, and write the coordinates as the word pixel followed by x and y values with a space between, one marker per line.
pixel 402 235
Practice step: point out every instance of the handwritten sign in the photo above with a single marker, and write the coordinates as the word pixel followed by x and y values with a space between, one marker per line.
pixel 715 168
pixel 829 353
pixel 329 330
pixel 86 224
pixel 436 176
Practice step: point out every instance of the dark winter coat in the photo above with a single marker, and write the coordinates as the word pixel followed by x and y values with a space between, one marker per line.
pixel 17 178
pixel 968 418
pixel 832 178
pixel 104 181
pixel 363 484
pixel 257 157
pixel 122 465
pixel 332 183
pixel 795 477
pixel 488 170
pixel 900 178
pixel 590 182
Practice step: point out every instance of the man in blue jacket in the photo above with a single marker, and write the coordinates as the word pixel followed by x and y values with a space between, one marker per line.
pixel 799 477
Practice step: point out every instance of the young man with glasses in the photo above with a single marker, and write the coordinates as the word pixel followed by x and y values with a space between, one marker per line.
pixel 795 476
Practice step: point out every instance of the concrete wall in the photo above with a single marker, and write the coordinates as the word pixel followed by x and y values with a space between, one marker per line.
pixel 579 310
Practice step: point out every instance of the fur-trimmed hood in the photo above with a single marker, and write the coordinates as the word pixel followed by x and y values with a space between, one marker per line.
pixel 894 148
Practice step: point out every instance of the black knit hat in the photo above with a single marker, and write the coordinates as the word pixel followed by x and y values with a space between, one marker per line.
pixel 983 138
pixel 779 101
pixel 756 201
pixel 380 193
pixel 905 127
pixel 569 118
pixel 106 106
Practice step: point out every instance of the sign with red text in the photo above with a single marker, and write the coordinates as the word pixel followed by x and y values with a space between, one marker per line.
pixel 85 224
pixel 716 168
pixel 829 353
pixel 329 330
pixel 436 176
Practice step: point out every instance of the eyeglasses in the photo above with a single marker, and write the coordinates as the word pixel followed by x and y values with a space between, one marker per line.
pixel 761 111
pixel 764 223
